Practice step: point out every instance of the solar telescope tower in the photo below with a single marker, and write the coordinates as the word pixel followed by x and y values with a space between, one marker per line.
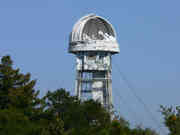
pixel 93 41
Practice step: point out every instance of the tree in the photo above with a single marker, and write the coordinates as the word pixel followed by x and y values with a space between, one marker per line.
pixel 119 127
pixel 141 131
pixel 16 89
pixel 21 111
pixel 172 119
pixel 85 118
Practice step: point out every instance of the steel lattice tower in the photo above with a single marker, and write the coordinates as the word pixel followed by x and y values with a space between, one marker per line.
pixel 93 41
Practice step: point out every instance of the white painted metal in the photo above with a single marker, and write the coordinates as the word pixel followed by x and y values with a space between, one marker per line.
pixel 93 33
pixel 93 41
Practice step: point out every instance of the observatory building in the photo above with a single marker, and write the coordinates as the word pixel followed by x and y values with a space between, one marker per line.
pixel 93 41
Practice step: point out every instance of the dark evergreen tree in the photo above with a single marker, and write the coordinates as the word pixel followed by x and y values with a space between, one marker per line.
pixel 21 111
pixel 16 89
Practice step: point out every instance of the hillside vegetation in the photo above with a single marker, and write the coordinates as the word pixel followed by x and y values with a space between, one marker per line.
pixel 22 112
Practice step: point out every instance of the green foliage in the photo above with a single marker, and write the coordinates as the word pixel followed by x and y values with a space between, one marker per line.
pixel 16 89
pixel 21 111
pixel 14 123
pixel 118 128
pixel 57 113
pixel 141 131
pixel 172 119
pixel 80 117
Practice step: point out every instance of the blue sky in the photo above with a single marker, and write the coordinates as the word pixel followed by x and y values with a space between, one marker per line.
pixel 35 33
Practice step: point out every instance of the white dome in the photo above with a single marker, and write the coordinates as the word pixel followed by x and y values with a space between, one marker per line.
pixel 91 27
pixel 93 33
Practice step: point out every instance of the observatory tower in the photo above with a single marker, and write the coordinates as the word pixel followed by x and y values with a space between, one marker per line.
pixel 93 41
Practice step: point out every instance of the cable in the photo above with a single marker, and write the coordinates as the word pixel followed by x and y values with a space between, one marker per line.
pixel 132 89
pixel 129 108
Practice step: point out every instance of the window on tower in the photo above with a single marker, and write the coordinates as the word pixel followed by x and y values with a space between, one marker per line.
pixel 91 56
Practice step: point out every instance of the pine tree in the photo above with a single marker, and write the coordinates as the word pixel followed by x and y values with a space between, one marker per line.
pixel 21 111
pixel 16 89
